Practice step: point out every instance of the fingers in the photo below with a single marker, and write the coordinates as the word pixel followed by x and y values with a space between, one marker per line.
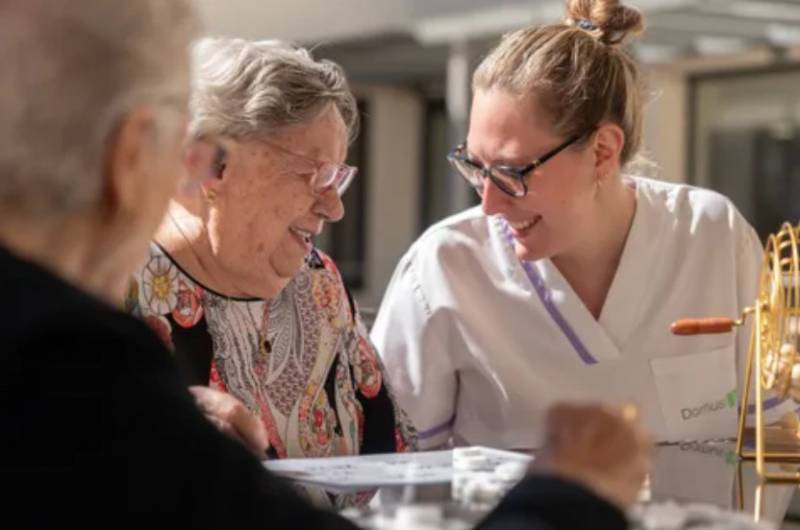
pixel 231 417
pixel 250 429
pixel 601 446
pixel 225 428
pixel 595 423
pixel 630 412
pixel 570 424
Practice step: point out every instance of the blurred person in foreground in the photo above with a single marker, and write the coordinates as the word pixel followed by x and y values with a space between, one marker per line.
pixel 98 428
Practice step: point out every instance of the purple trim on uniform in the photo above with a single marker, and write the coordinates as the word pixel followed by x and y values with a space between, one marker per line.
pixel 768 404
pixel 439 429
pixel 547 300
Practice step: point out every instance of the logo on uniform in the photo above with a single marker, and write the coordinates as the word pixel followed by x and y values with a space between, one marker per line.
pixel 729 401
pixel 728 455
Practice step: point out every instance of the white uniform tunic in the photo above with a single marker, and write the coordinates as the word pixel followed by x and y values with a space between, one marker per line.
pixel 478 344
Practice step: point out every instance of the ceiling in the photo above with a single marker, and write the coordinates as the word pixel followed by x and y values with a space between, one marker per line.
pixel 410 41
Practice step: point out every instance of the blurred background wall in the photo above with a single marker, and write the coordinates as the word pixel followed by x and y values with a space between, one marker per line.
pixel 724 78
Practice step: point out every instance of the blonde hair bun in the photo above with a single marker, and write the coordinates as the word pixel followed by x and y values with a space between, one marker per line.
pixel 576 69
pixel 610 21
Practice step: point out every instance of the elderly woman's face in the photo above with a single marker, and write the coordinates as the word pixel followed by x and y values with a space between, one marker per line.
pixel 265 213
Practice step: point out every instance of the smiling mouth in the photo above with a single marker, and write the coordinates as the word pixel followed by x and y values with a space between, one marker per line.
pixel 522 227
pixel 304 237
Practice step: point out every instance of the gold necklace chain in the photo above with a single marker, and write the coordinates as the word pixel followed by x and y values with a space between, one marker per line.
pixel 196 255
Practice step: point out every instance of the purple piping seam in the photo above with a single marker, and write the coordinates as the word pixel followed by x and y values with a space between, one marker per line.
pixel 546 297
pixel 433 431
pixel 547 300
pixel 768 404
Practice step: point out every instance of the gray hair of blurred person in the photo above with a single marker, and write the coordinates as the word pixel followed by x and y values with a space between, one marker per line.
pixel 71 72
pixel 245 89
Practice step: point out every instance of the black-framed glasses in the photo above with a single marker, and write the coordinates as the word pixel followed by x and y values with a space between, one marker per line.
pixel 509 179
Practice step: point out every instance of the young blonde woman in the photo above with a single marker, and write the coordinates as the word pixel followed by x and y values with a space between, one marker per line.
pixel 564 282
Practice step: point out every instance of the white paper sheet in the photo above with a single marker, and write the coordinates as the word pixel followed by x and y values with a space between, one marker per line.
pixel 355 473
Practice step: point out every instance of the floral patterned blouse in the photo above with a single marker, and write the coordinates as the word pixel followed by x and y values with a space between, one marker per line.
pixel 301 361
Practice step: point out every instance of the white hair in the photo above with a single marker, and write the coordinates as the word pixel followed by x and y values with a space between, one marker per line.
pixel 71 70
pixel 242 89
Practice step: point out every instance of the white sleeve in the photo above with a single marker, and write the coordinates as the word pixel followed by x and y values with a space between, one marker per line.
pixel 412 340
pixel 749 262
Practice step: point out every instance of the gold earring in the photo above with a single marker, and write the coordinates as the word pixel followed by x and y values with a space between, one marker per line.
pixel 211 196
pixel 600 180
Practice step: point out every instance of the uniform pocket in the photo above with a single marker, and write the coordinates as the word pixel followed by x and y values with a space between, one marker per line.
pixel 697 394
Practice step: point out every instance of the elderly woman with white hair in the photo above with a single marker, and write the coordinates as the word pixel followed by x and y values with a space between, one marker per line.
pixel 234 284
